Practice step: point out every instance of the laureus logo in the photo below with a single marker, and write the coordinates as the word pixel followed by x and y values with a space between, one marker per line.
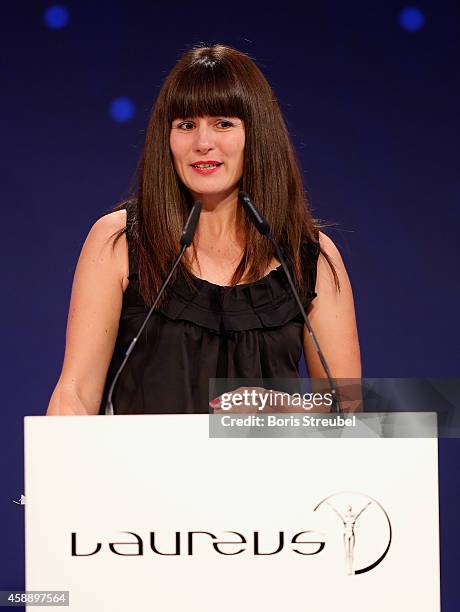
pixel 361 520
pixel 365 528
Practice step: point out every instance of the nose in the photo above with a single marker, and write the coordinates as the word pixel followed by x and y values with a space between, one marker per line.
pixel 203 141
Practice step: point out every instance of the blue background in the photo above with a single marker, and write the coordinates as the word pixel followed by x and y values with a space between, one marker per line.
pixel 370 91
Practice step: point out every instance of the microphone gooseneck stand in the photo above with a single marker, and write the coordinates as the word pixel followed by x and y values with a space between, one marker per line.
pixel 185 241
pixel 263 227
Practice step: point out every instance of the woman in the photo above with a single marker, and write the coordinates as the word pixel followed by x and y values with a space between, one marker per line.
pixel 215 128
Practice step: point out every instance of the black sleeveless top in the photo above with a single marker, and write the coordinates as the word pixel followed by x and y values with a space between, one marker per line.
pixel 252 330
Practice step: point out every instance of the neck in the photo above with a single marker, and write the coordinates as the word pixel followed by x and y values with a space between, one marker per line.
pixel 218 218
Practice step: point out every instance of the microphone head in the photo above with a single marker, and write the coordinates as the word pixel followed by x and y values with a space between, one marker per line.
pixel 256 217
pixel 188 232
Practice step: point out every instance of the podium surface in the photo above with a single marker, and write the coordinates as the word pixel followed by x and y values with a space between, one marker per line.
pixel 150 513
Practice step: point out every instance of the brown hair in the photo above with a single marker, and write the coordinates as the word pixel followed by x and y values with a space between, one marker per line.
pixel 221 81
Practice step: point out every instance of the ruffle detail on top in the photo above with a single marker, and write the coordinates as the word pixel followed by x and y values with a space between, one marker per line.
pixel 266 303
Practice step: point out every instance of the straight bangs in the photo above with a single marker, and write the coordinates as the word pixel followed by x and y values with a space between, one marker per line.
pixel 207 89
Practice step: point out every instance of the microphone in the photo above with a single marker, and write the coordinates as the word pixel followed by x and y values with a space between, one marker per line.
pixel 256 217
pixel 188 232
pixel 263 227
pixel 186 240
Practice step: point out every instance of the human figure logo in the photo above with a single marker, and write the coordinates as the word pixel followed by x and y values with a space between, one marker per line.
pixel 349 506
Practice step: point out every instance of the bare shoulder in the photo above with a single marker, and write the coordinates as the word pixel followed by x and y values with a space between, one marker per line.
pixel 329 246
pixel 325 275
pixel 101 247
pixel 110 223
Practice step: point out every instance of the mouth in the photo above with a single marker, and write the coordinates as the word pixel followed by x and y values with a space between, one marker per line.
pixel 206 167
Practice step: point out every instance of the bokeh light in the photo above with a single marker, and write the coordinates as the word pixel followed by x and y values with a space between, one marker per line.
pixel 122 109
pixel 56 17
pixel 411 19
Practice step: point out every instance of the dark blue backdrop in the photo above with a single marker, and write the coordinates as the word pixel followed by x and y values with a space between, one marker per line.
pixel 371 97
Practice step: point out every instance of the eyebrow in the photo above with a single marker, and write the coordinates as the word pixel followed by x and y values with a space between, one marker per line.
pixel 212 117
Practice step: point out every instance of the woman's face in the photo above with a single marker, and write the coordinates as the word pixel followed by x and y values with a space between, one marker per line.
pixel 208 154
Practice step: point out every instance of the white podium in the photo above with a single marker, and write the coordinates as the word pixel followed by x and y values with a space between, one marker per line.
pixel 148 513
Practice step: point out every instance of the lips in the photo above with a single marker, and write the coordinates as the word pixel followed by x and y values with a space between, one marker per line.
pixel 206 167
pixel 209 163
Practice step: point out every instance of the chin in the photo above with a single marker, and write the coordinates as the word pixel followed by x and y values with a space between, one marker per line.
pixel 199 190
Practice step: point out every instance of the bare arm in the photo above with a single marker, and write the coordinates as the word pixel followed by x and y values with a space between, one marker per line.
pixel 332 316
pixel 94 314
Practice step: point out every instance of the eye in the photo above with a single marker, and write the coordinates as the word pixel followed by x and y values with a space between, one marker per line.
pixel 225 123
pixel 185 125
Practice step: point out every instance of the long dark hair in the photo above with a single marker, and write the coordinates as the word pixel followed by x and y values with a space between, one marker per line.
pixel 220 81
